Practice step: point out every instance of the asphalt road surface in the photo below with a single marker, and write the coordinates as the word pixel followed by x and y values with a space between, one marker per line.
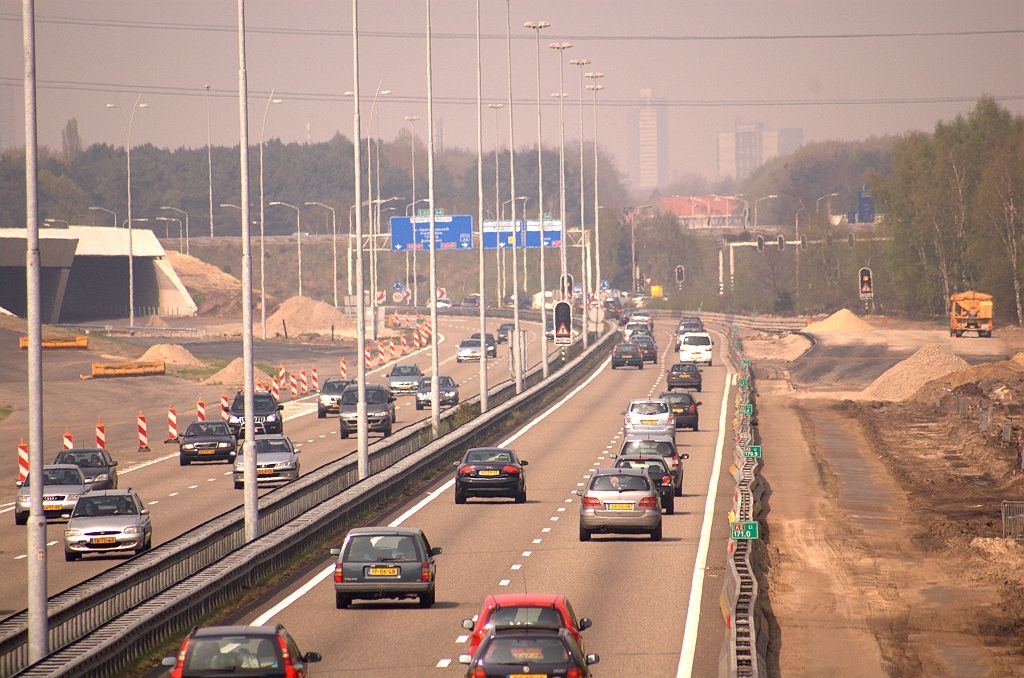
pixel 637 592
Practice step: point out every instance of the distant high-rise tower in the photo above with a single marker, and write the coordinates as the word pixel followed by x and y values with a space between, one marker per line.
pixel 748 147
pixel 648 145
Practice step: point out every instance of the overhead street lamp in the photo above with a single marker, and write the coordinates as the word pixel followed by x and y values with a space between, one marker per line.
pixel 412 172
pixel 181 237
pixel 334 245
pixel 298 235
pixel 179 211
pixel 561 47
pixel 54 221
pixel 597 208
pixel 767 197
pixel 209 158
pixel 817 204
pixel 580 63
pixel 263 253
pixel 537 27
pixel 517 360
pixel 110 212
pixel 499 253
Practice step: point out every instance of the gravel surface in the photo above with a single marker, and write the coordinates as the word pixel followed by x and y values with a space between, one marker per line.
pixel 902 380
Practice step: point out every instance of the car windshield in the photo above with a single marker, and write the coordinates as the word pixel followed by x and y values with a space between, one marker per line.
pixel 59 476
pixel 84 458
pixel 621 483
pixel 649 465
pixel 470 343
pixel 525 616
pixel 506 327
pixel 262 404
pixel 442 382
pixel 405 371
pixel 697 341
pixel 207 428
pixel 489 457
pixel 661 448
pixel 118 505
pixel 270 445
pixel 536 651
pixel 649 408
pixel 373 396
pixel 381 548
pixel 256 655
pixel 334 387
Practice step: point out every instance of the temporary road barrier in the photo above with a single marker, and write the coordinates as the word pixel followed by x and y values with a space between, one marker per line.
pixel 380 353
pixel 391 348
pixel 405 345
pixel 143 436
pixel 127 369
pixel 408 320
pixel 303 381
pixel 200 410
pixel 275 388
pixel 101 435
pixel 22 461
pixel 224 407
pixel 77 342
pixel 316 380
pixel 293 384
pixel 172 425
pixel 366 358
pixel 280 374
pixel 69 440
pixel 416 339
pixel 344 368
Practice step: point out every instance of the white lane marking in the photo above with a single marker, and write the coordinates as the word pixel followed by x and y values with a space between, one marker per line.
pixel 689 647
pixel 173 494
pixel 461 639
pixel 579 484
pixel 443 664
pixel 568 501
pixel 147 463
pixel 227 473
pixel 527 554
pixel 504 582
pixel 309 441
pixel 192 487
pixel 50 543
pixel 546 529
pixel 554 517
pixel 323 436
pixel 7 503
pixel 517 566
pixel 6 510
pixel 295 595
pixel 561 508
pixel 20 557
pixel 155 501
pixel 536 541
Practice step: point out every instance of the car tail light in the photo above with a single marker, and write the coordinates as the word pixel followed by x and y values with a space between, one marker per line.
pixel 179 667
pixel 591 501
pixel 510 469
pixel 337 573
pixel 425 572
pixel 573 673
pixel 648 502
pixel 479 673
pixel 466 470
pixel 629 420
pixel 666 480
pixel 289 670
pixel 693 408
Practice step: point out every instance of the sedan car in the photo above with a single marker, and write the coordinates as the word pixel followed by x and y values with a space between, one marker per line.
pixel 492 345
pixel 524 609
pixel 384 562
pixel 662 446
pixel 447 391
pixel 504 330
pixel 648 415
pixel 99 469
pixel 329 400
pixel 469 349
pixel 108 521
pixel 490 472
pixel 684 409
pixel 626 355
pixel 684 375
pixel 404 379
pixel 648 349
pixel 657 470
pixel 206 441
pixel 277 461
pixel 266 412
pixel 620 501
pixel 531 651
pixel 63 484
pixel 240 651
pixel 380 410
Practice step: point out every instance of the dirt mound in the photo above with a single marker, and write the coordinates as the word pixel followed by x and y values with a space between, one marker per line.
pixel 156 321
pixel 172 354
pixel 215 292
pixel 840 321
pixel 902 380
pixel 303 315
pixel 233 376
pixel 767 346
pixel 1001 382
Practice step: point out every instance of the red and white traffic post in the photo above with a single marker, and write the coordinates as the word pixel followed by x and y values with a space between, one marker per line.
pixel 143 434
pixel 405 345
pixel 416 339
pixel 391 348
pixel 172 425
pixel 344 368
pixel 367 358
pixel 316 380
pixel 69 440
pixel 280 375
pixel 380 353
pixel 101 435
pixel 303 382
pixel 224 407
pixel 200 410
pixel 22 461
pixel 275 388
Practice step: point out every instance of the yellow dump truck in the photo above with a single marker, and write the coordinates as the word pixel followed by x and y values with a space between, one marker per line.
pixel 970 312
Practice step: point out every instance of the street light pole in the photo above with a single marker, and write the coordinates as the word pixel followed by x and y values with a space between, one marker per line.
pixel 498 251
pixel 817 204
pixel 537 27
pixel 263 258
pixel 561 47
pixel 517 359
pixel 480 212
pixel 597 209
pixel 580 63
pixel 209 157
pixel 110 212
pixel 298 235
pixel 334 245
pixel 362 448
pixel 435 394
pixel 181 234
pixel 128 153
pixel 179 211
pixel 412 166
pixel 755 206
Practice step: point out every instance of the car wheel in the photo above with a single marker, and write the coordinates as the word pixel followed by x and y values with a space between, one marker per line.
pixel 656 535
pixel 521 497
pixel 21 519
pixel 341 601
pixel 320 414
pixel 584 534
pixel 419 405
pixel 641 365
pixel 669 506
pixel 239 485
pixel 460 497
pixel 71 557
pixel 698 389
pixel 344 434
pixel 695 426
pixel 183 461
pixel 387 431
pixel 613 366
pixel 427 599
pixel 679 490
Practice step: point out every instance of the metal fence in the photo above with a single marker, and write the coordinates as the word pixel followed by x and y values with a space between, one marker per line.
pixel 1013 519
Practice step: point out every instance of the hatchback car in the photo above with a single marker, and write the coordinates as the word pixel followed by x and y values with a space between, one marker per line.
pixel 524 609
pixel 612 308
pixel 490 472
pixel 652 416
pixel 471 301
pixel 662 446
pixel 657 470
pixel 492 345
pixel 648 349
pixel 266 413
pixel 684 375
pixel 384 562
pixel 620 501
pixel 329 401
pixel 404 379
pixel 206 441
pixel 684 409
pixel 633 326
pixel 380 410
pixel 504 330
pixel 469 349
pixel 643 315
pixel 447 391
pixel 265 651
pixel 626 355
pixel 63 484
pixel 99 469
pixel 527 652
pixel 277 461
pixel 107 521
pixel 696 347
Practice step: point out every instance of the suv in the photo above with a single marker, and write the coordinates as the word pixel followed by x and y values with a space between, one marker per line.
pixel 404 379
pixel 225 649
pixel 330 395
pixel 266 412
pixel 695 347
pixel 380 410
pixel 384 562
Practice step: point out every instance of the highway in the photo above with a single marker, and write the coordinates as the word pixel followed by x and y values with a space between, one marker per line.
pixel 637 592
pixel 180 498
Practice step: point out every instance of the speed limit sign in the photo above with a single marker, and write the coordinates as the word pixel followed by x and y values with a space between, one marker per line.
pixel 397 297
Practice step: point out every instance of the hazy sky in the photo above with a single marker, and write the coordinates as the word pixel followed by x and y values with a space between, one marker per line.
pixel 91 53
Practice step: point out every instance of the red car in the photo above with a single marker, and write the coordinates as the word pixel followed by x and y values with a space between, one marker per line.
pixel 518 609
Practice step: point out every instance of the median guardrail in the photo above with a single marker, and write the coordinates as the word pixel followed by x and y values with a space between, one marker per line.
pixel 100 625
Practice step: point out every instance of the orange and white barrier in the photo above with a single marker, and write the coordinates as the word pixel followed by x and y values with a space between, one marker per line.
pixel 416 339
pixel 408 321
pixel 380 353
pixel 143 433
pixel 101 435
pixel 224 407
pixel 200 410
pixel 280 374
pixel 172 425
pixel 69 440
pixel 344 368
pixel 405 345
pixel 391 348
pixel 303 382
pixel 22 461
pixel 316 379
pixel 275 388
pixel 366 358
pixel 293 384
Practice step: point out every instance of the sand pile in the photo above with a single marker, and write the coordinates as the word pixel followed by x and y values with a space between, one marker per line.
pixel 767 346
pixel 233 376
pixel 840 321
pixel 156 321
pixel 172 354
pixel 303 315
pixel 215 292
pixel 1001 381
pixel 902 380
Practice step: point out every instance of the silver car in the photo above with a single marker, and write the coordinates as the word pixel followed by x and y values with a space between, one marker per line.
pixel 633 326
pixel 63 484
pixel 276 461
pixel 404 379
pixel 620 501
pixel 108 521
pixel 649 415
pixel 469 349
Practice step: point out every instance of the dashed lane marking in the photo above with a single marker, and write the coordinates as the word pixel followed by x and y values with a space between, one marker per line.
pixel 504 582
pixel 517 566
pixel 527 554
pixel 536 541
pixel 443 664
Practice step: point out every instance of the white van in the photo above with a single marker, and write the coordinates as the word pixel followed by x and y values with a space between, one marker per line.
pixel 695 347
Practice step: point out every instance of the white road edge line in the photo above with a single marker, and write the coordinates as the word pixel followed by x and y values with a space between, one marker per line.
pixel 298 593
pixel 689 648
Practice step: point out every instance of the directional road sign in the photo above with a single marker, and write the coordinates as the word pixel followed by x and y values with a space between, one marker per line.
pixel 746 530
pixel 498 234
pixel 397 286
pixel 454 232
pixel 752 451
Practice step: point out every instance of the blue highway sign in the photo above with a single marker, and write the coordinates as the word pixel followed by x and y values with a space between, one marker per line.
pixel 453 232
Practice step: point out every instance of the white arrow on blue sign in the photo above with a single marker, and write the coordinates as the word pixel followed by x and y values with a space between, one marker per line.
pixel 397 286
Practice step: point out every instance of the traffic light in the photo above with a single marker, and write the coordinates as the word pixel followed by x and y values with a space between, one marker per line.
pixel 782 243
pixel 680 274
pixel 866 286
pixel 563 323
pixel 760 243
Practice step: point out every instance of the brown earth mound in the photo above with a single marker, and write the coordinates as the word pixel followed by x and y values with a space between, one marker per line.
pixel 902 380
pixel 303 315
pixel 215 292
pixel 172 354
pixel 156 321
pixel 233 376
pixel 1001 382
pixel 840 321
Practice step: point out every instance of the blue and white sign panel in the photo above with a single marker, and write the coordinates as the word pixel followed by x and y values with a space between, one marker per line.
pixel 498 234
pixel 453 233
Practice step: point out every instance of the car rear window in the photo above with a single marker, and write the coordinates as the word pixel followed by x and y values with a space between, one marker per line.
pixel 641 447
pixel 697 341
pixel 84 459
pixel 525 616
pixel 684 368
pixel 649 465
pixel 535 651
pixel 59 476
pixel 623 483
pixel 678 398
pixel 256 655
pixel 649 408
pixel 489 457
pixel 267 446
pixel 625 351
pixel 335 387
pixel 381 549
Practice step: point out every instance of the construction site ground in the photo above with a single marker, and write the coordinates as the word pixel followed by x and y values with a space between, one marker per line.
pixel 885 554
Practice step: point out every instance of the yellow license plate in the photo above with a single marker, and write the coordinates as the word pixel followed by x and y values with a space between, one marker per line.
pixel 265 471
pixel 407 388
pixel 52 507
pixel 103 540
pixel 677 410
pixel 383 572
pixel 650 422
pixel 527 675
pixel 206 451
pixel 620 507
pixel 490 473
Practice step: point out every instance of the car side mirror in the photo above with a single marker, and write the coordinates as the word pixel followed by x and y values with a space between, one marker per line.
pixel 468 624
pixel 312 657
pixel 436 551
pixel 391 399
pixel 684 456
pixel 622 413
pixel 700 403
pixel 336 551
pixel 593 659
pixel 145 512
pixel 113 463
pixel 579 493
pixel 456 463
pixel 65 516
pixel 523 462
pixel 280 408
pixel 19 484
pixel 585 624
pixel 465 659
pixel 169 661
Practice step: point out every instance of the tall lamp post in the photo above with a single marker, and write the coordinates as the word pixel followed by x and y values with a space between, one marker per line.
pixel 110 212
pixel 263 258
pixel 209 157
pixel 517 360
pixel 561 47
pixel 412 173
pixel 181 235
pixel 334 245
pixel 435 409
pixel 537 27
pixel 298 235
pixel 580 63
pixel 498 251
pixel 362 449
pixel 767 197
pixel 179 211
pixel 128 123
pixel 409 212
pixel 597 208
pixel 480 212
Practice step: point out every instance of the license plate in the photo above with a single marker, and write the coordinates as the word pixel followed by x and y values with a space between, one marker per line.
pixel 620 507
pixel 383 572
pixel 52 507
pixel 650 422
pixel 490 473
pixel 103 540
pixel 527 675
pixel 206 451
pixel 677 410
pixel 265 471
pixel 407 388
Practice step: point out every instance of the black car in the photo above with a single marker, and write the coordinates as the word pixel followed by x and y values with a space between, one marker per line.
pixel 447 390
pixel 266 412
pixel 684 375
pixel 626 355
pixel 625 315
pixel 648 349
pixel 380 410
pixel 471 301
pixel 492 345
pixel 612 308
pixel 240 651
pixel 330 395
pixel 504 330
pixel 657 471
pixel 490 472
pixel 533 650
pixel 99 469
pixel 206 441
pixel 684 407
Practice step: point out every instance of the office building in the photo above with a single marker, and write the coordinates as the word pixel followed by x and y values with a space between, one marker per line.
pixel 750 145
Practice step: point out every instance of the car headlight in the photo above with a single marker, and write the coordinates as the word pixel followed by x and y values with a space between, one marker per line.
pixel 72 533
pixel 271 417
pixel 103 477
pixel 286 465
pixel 132 529
pixel 449 394
pixel 72 497
pixel 233 419
pixel 223 444
pixel 188 446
